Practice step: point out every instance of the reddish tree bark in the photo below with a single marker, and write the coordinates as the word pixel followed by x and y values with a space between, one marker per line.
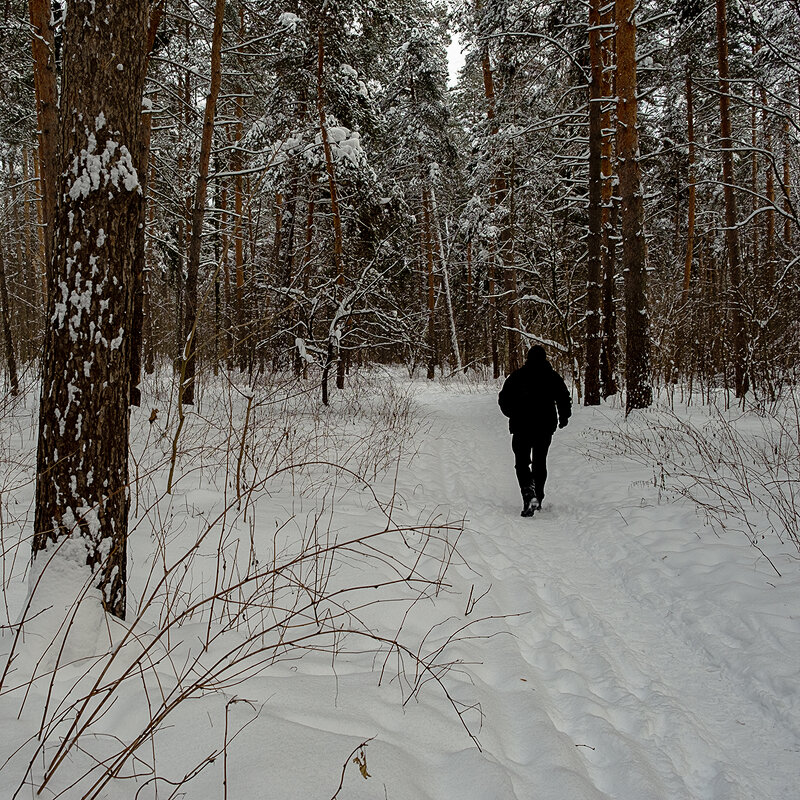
pixel 189 365
pixel 738 332
pixel 499 193
pixel 639 393
pixel 690 223
pixel 591 380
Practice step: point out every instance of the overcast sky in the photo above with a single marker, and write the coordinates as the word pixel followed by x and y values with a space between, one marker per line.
pixel 455 59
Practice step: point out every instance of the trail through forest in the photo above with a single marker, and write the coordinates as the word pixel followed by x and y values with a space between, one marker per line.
pixel 647 659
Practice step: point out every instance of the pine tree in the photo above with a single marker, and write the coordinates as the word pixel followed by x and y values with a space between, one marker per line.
pixel 82 463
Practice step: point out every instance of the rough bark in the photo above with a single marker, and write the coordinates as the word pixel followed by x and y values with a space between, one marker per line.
pixel 769 233
pixel 738 333
pixel 141 303
pixel 334 336
pixel 11 360
pixel 591 380
pixel 690 219
pixel 609 345
pixel 431 285
pixel 46 92
pixel 787 203
pixel 82 459
pixel 639 393
pixel 469 328
pixel 499 194
pixel 240 335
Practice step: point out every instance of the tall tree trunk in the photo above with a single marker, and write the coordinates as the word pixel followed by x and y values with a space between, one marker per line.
pixel 25 317
pixel 143 168
pixel 787 204
pixel 11 360
pixel 591 381
pixel 499 193
pixel 140 265
pixel 754 199
pixel 46 92
pixel 469 328
pixel 240 315
pixel 634 249
pixel 40 212
pixel 690 223
pixel 147 305
pixel 82 459
pixel 30 260
pixel 494 315
pixel 738 332
pixel 431 293
pixel 334 335
pixel 609 347
pixel 188 366
pixel 445 279
pixel 769 233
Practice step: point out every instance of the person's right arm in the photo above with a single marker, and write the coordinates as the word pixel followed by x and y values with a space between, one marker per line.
pixel 506 397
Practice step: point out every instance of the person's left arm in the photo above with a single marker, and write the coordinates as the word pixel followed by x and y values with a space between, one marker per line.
pixel 563 400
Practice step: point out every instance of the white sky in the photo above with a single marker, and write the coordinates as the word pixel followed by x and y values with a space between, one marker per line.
pixel 455 59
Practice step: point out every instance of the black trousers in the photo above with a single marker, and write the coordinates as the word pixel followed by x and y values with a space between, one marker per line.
pixel 530 462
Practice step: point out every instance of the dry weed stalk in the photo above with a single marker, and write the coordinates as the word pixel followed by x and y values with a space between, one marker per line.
pixel 305 588
pixel 741 470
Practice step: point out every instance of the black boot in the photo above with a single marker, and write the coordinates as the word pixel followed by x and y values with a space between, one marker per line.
pixel 529 504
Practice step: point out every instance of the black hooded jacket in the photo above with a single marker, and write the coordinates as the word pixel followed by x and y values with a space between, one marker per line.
pixel 530 397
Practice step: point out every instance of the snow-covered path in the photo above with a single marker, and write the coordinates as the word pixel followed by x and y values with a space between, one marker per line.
pixel 642 663
pixel 610 648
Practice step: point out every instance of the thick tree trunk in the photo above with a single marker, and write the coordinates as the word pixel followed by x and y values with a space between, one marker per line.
pixel 609 350
pixel 609 345
pixel 82 460
pixel 634 250
pixel 738 332
pixel 189 365
pixel 591 385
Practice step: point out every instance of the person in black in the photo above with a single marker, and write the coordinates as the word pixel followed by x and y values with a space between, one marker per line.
pixel 530 397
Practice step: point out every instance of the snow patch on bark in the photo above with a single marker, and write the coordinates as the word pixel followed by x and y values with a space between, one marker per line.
pixel 93 170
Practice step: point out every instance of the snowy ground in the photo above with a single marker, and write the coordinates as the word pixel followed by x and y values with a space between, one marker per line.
pixel 611 647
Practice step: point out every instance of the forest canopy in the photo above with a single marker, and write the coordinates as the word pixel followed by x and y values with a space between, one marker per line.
pixel 358 209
